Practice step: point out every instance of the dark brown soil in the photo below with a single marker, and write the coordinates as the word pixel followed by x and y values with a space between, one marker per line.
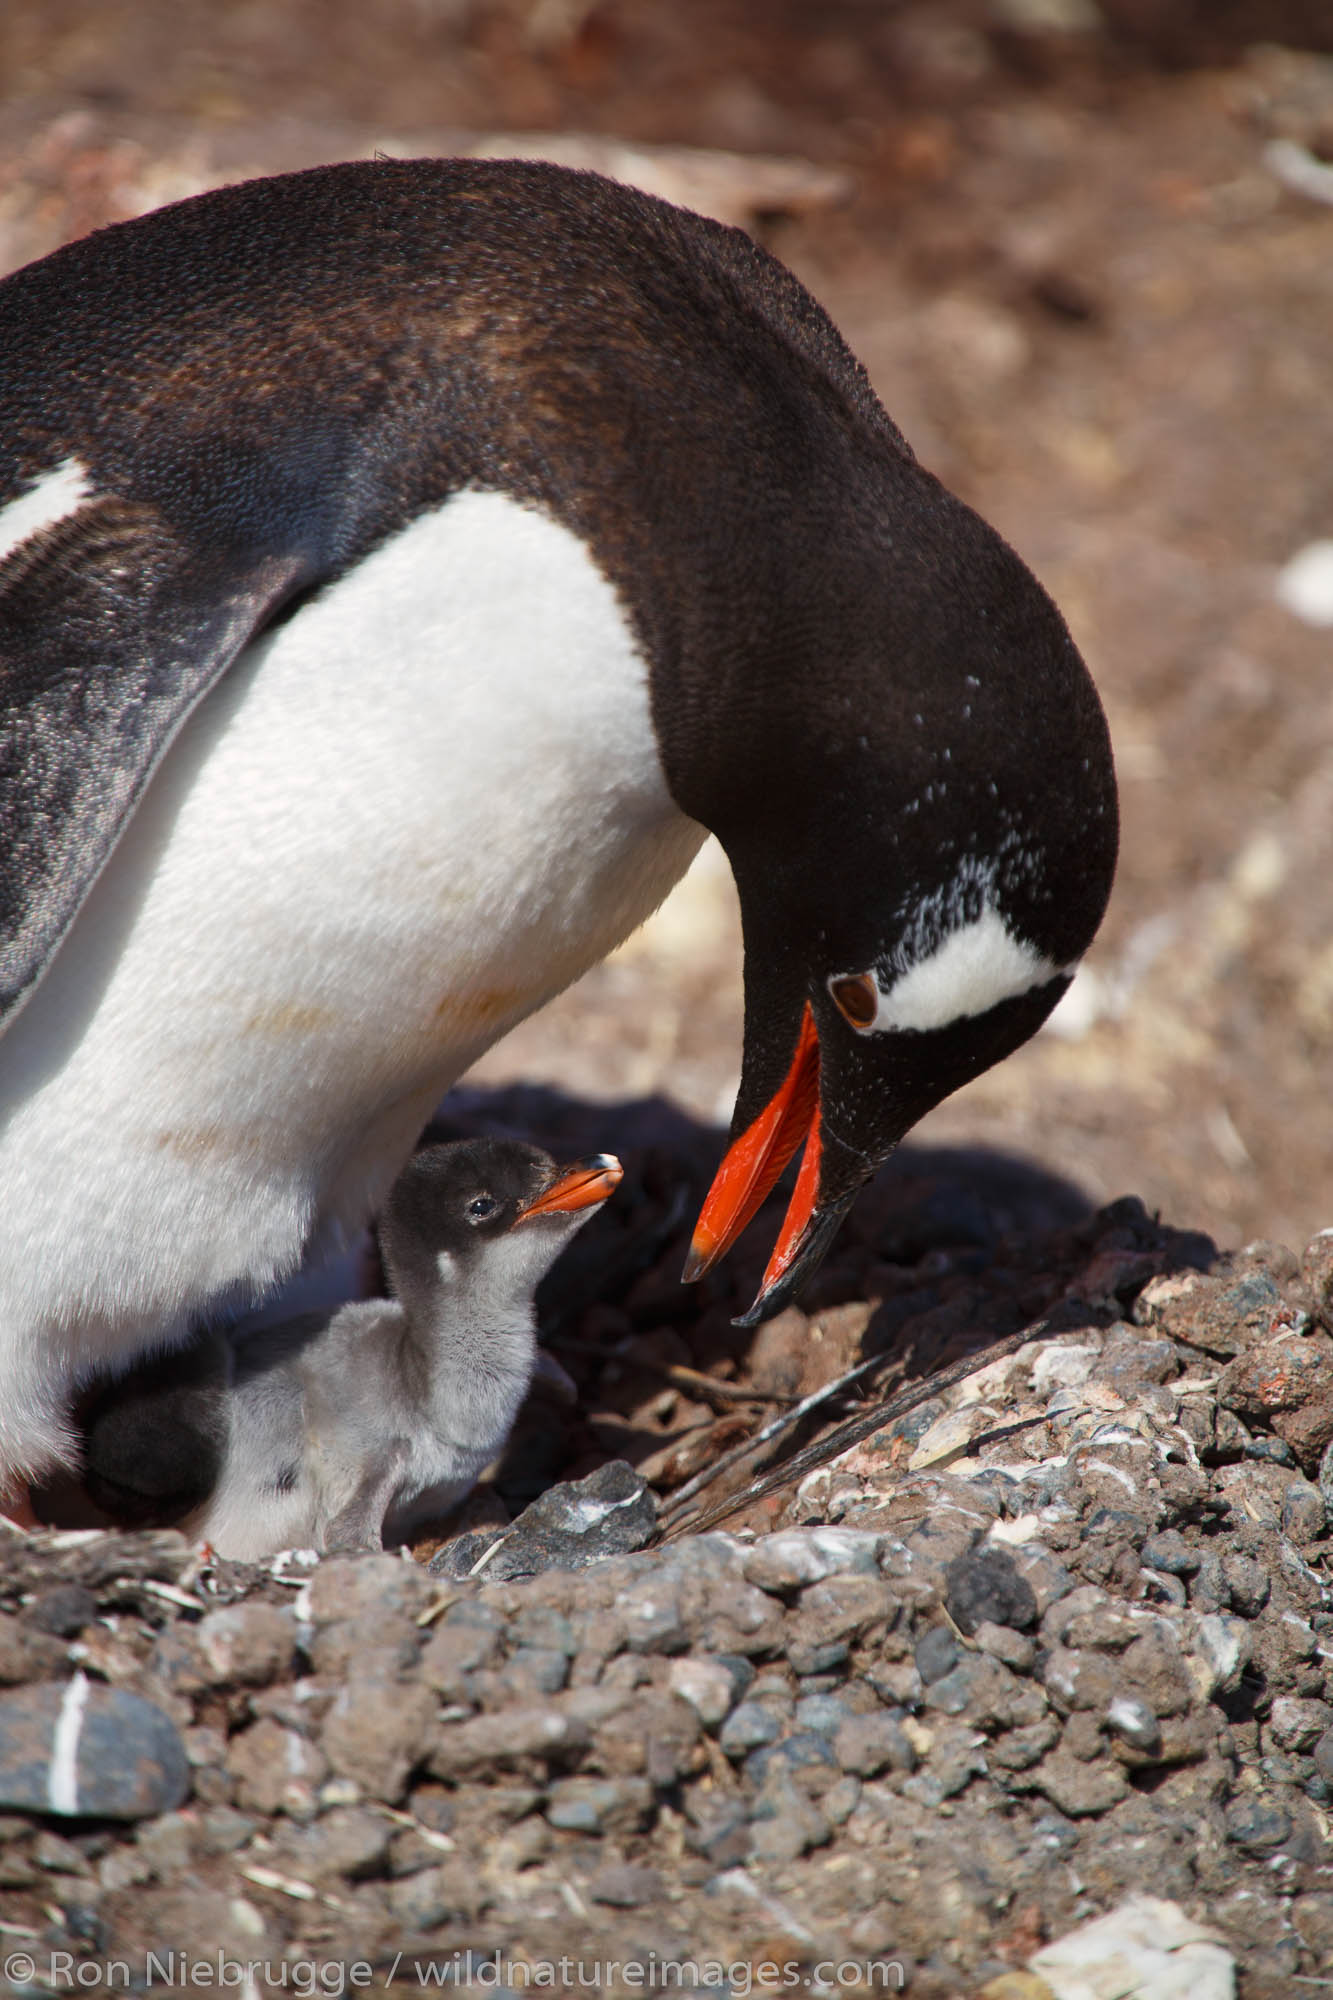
pixel 1095 312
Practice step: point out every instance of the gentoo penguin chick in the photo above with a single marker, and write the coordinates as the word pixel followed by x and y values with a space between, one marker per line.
pixel 403 564
pixel 348 1432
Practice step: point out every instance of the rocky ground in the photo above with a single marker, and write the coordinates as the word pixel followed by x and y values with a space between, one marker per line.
pixel 943 1671
pixel 983 1665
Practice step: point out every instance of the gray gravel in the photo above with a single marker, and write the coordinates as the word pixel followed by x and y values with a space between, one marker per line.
pixel 960 1702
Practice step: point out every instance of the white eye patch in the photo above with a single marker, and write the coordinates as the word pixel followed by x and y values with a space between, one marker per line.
pixel 971 970
pixel 57 493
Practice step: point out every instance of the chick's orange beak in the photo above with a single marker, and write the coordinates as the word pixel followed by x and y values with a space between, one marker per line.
pixel 581 1186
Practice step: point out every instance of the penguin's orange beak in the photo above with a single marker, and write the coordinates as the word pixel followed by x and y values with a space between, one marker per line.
pixel 581 1186
pixel 751 1168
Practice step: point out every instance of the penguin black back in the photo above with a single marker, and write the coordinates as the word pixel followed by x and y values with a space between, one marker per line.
pixel 261 384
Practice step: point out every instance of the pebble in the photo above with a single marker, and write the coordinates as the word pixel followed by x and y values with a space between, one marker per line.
pixel 57 1855
pixel 573 1524
pixel 538 1625
pixel 467 1637
pixel 245 1645
pixel 1257 1823
pixel 28 1653
pixel 1222 1652
pixel 349 1840
pixel 1208 1590
pixel 869 1744
pixel 1015 1649
pixel 708 1686
pixel 716 1820
pixel 1146 1947
pixel 1304 584
pixel 824 1713
pixel 1294 1724
pixel 1169 1551
pixel 774 1687
pixel 63 1611
pixel 798 1556
pixel 598 1805
pixel 495 1741
pixel 1042 1570
pixel 1079 1787
pixel 167 1843
pixel 957 1756
pixel 986 1586
pixel 420 1901
pixel 1317 1275
pixel 222 1829
pixel 810 1654
pixel 364 1590
pixel 1134 1723
pixel 1076 1680
pixel 373 1734
pixel 1107 1626
pixel 748 1727
pixel 1304 1514
pixel 1222 1314
pixel 803 1749
pixel 936 1654
pixel 82 1750
pixel 538 1669
pixel 1154 1667
pixel 651 1619
pixel 274 1769
pixel 784 1823
pixel 1128 1364
pixel 1246 1583
pixel 1061 1365
pixel 1278 1376
pixel 1272 1450
pixel 1020 1749
pixel 625 1886
pixel 1160 1587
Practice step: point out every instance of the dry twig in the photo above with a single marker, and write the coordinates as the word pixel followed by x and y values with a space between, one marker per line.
pixel 834 1442
pixel 773 1429
pixel 690 1381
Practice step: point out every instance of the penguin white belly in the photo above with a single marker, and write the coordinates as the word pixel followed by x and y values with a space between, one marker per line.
pixel 407 817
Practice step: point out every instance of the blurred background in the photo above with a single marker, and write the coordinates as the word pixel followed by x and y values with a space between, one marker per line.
pixel 1085 248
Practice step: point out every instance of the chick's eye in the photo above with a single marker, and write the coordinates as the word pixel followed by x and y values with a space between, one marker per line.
pixel 856 996
pixel 484 1205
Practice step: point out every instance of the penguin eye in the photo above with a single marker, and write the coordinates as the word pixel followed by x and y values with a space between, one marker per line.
pixel 856 996
pixel 484 1205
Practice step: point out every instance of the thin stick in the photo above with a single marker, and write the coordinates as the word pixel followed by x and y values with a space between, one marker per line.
pixel 772 1429
pixel 689 1380
pixel 840 1439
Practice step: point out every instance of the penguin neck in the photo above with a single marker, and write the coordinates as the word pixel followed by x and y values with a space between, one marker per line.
pixel 462 1323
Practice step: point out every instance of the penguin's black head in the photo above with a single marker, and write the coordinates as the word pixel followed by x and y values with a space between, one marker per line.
pixel 923 844
pixel 495 1203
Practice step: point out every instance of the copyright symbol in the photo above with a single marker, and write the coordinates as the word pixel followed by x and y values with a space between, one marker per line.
pixel 20 1967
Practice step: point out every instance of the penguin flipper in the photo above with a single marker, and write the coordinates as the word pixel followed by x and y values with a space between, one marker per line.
pixel 112 627
pixel 155 1440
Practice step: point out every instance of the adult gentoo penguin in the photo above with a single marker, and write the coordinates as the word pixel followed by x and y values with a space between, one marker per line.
pixel 403 564
pixel 351 1431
